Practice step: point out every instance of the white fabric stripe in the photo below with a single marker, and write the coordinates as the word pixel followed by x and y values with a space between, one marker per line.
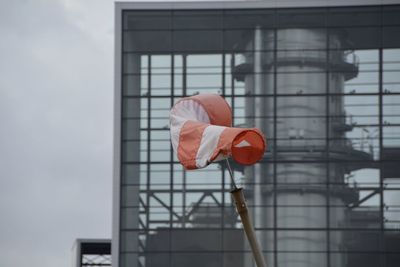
pixel 181 112
pixel 208 144
pixel 175 129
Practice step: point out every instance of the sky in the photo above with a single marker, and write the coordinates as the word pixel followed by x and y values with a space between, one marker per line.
pixel 56 101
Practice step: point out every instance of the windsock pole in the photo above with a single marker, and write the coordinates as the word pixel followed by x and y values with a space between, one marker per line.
pixel 241 207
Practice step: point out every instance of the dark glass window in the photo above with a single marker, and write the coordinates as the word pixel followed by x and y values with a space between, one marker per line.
pixel 321 83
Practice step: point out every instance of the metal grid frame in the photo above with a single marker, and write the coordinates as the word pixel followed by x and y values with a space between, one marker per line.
pixel 149 193
pixel 92 252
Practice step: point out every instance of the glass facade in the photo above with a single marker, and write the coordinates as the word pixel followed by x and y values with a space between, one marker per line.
pixel 323 84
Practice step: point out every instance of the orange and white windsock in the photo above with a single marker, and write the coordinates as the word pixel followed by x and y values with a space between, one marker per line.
pixel 202 132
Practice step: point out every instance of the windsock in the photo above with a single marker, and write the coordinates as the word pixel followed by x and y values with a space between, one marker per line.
pixel 202 132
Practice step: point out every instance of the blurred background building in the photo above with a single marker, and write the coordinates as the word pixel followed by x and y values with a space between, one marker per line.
pixel 321 79
pixel 92 253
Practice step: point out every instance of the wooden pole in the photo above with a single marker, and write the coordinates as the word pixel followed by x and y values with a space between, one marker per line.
pixel 241 207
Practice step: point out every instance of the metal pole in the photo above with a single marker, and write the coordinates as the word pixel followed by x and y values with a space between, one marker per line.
pixel 241 207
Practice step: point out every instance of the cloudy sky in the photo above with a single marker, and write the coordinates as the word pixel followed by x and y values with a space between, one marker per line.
pixel 56 71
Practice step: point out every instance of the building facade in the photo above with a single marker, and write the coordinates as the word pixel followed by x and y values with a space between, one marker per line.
pixel 321 80
pixel 92 252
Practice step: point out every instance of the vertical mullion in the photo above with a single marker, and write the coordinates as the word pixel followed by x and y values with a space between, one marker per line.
pixel 171 165
pixel 223 76
pixel 184 93
pixel 233 87
pixel 148 147
pixel 223 169
pixel 184 75
pixel 223 95
pixel 232 82
pixel 275 146
pixel 120 137
pixel 327 144
pixel 381 185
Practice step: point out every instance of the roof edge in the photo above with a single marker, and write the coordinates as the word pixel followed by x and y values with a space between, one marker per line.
pixel 172 5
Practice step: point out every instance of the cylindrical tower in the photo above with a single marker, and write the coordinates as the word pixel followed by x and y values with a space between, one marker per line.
pixel 292 63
